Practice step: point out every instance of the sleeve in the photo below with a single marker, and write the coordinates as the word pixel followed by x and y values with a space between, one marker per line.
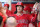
pixel 39 24
pixel 8 12
pixel 4 17
pixel 32 19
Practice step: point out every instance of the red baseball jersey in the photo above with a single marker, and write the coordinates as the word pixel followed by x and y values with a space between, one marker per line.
pixel 24 19
pixel 8 12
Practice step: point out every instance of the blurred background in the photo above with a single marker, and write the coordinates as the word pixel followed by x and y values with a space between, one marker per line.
pixel 6 1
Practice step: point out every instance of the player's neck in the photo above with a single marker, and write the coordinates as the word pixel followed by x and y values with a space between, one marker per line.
pixel 19 13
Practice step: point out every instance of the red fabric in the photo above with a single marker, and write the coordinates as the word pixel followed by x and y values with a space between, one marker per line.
pixel 8 12
pixel 33 14
pixel 25 17
pixel 14 7
pixel 19 3
pixel 39 24
pixel 34 19
pixel 22 21
pixel 7 5
pixel 27 8
pixel 31 17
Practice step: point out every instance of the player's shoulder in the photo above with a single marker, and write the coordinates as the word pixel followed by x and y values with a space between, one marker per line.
pixel 13 14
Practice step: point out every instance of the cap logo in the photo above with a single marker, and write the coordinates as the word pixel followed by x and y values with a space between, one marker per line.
pixel 19 2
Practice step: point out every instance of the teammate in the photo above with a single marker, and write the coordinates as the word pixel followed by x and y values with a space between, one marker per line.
pixel 35 12
pixel 27 10
pixel 22 19
pixel 6 10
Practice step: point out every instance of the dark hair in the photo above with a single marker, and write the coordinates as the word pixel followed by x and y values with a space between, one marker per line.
pixel 16 9
pixel 8 7
pixel 1 19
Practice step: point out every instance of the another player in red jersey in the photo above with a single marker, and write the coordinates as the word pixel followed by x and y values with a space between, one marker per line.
pixel 6 10
pixel 33 16
pixel 22 19
pixel 27 10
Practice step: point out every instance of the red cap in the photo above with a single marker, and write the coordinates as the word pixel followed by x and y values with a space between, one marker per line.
pixel 6 5
pixel 27 8
pixel 19 3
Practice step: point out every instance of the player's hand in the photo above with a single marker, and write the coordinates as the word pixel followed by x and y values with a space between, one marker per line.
pixel 35 5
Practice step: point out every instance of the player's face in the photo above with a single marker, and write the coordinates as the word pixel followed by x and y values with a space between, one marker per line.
pixel 19 8
pixel 0 4
pixel 5 7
